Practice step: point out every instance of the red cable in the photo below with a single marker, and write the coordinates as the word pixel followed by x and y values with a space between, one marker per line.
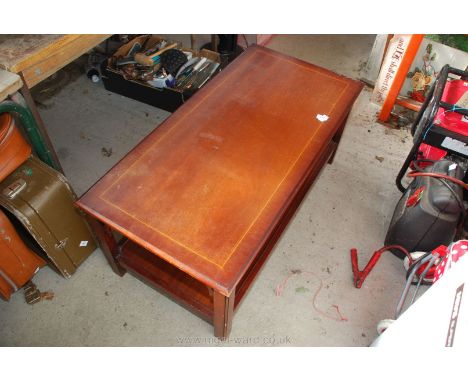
pixel 436 175
pixel 280 288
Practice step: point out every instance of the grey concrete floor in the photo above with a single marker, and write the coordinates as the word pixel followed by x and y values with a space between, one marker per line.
pixel 349 206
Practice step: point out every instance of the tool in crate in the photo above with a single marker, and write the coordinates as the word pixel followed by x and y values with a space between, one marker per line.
pixel 166 65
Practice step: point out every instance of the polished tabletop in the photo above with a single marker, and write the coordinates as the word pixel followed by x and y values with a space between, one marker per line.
pixel 206 188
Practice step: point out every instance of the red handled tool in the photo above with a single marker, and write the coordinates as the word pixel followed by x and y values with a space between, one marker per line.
pixel 360 276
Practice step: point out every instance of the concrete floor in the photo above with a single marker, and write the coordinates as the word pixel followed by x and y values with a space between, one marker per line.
pixel 349 206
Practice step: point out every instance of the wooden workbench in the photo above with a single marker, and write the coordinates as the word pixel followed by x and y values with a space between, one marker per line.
pixel 33 58
pixel 38 56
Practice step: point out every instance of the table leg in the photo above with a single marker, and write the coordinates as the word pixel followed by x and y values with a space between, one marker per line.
pixel 223 313
pixel 40 123
pixel 108 244
pixel 337 138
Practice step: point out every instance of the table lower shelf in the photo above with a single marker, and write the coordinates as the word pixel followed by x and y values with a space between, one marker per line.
pixel 166 278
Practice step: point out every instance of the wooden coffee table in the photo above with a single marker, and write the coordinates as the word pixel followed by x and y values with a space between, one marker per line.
pixel 202 200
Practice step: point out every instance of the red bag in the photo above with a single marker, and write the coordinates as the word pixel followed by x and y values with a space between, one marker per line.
pixel 14 150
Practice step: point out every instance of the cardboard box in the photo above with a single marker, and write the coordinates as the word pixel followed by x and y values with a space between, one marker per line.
pixel 166 98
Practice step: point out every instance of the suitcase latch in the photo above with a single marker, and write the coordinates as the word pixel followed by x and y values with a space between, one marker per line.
pixel 14 189
pixel 61 244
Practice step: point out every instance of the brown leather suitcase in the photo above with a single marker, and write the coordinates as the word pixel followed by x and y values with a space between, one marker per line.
pixel 18 264
pixel 43 202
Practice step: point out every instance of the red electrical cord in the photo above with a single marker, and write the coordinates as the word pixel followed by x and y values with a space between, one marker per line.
pixel 436 175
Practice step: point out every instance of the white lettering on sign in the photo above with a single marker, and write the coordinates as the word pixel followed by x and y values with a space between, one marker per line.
pixel 392 61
